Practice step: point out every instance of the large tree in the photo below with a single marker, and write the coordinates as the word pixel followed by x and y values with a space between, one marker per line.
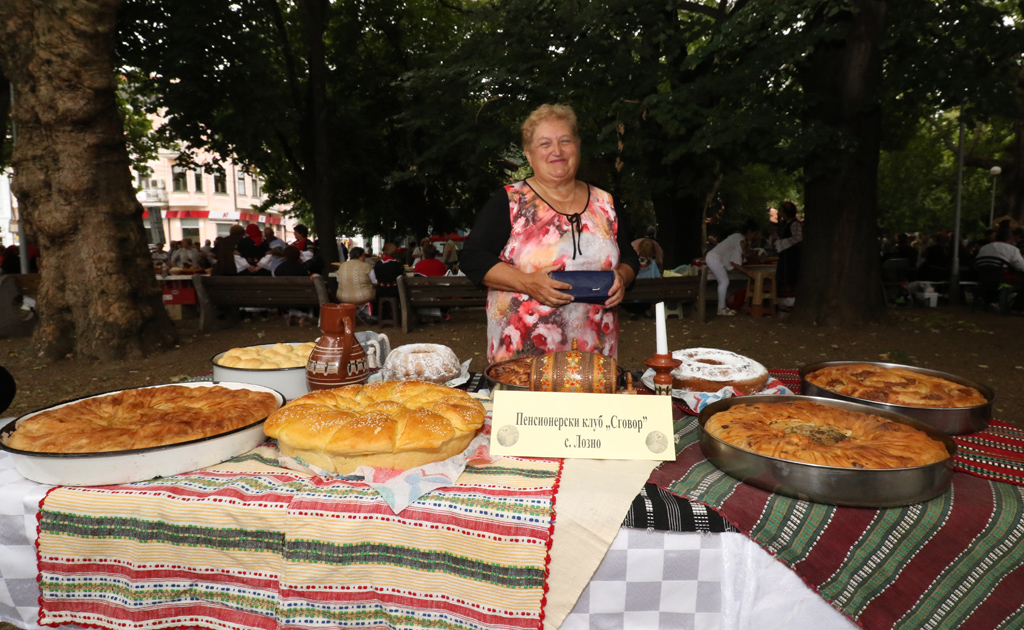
pixel 98 295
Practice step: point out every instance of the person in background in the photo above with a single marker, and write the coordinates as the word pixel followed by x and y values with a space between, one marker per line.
pixel 158 254
pixel 547 222
pixel 937 261
pixel 342 251
pixel 417 252
pixel 187 256
pixel 249 246
pixel 355 281
pixel 647 252
pixel 227 263
pixel 659 253
pixel 289 264
pixel 1005 248
pixel 387 270
pixel 787 241
pixel 728 255
pixel 430 265
pixel 271 241
pixel 302 238
pixel 450 256
pixel 207 247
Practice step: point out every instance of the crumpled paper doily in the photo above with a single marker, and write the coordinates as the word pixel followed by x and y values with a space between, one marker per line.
pixel 698 400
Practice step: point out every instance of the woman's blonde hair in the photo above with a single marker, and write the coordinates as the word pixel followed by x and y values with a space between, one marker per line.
pixel 548 112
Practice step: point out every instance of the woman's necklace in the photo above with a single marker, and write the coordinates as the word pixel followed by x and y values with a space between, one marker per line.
pixel 550 195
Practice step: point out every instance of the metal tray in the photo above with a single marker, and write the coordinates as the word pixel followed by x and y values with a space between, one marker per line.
pixel 117 467
pixel 852 487
pixel 949 420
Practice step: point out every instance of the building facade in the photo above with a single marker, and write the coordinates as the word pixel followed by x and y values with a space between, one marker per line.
pixel 184 203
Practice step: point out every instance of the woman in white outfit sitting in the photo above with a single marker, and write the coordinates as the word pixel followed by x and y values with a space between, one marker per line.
pixel 728 255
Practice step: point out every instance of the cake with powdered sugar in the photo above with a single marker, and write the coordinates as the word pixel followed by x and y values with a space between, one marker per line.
pixel 711 369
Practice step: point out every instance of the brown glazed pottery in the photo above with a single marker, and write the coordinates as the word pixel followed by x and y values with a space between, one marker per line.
pixel 338 359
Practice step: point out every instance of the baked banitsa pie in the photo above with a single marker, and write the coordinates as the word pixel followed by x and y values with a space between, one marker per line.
pixel 386 424
pixel 896 386
pixel 141 418
pixel 813 433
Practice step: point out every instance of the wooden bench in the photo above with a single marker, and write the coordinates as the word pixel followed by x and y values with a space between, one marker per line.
pixel 672 289
pixel 219 297
pixel 14 320
pixel 448 291
pixel 445 291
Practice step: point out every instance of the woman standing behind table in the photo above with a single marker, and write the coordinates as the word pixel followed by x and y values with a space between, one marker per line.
pixel 787 242
pixel 545 223
pixel 728 255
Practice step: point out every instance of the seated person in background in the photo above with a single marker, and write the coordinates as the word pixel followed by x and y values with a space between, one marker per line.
pixel 1004 248
pixel 728 255
pixel 904 249
pixel 251 245
pixel 355 279
pixel 430 265
pixel 226 263
pixel 289 263
pixel 387 270
pixel 302 238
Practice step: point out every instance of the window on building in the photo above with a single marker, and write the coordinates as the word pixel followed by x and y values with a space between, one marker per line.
pixel 190 229
pixel 198 177
pixel 241 184
pixel 223 229
pixel 220 183
pixel 179 178
pixel 255 187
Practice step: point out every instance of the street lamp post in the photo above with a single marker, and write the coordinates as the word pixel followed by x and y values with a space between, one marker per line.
pixel 994 172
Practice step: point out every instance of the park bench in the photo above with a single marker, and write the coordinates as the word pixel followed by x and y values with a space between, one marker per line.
pixel 452 291
pixel 673 289
pixel 14 320
pixel 219 297
pixel 440 291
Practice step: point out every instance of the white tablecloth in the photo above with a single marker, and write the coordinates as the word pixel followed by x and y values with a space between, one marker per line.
pixel 674 581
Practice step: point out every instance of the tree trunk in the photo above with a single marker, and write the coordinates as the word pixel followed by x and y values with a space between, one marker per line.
pixel 840 278
pixel 319 178
pixel 98 297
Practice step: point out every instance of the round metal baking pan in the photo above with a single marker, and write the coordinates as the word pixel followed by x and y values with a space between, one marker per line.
pixel 496 384
pixel 289 381
pixel 949 420
pixel 854 487
pixel 117 467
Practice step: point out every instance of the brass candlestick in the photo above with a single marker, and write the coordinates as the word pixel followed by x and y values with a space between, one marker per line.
pixel 662 364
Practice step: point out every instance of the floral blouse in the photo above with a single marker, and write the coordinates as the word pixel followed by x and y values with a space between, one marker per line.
pixel 518 325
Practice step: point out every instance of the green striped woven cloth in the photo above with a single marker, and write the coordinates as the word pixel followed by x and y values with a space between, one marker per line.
pixel 956 561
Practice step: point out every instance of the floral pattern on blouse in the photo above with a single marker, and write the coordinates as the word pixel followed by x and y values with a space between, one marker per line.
pixel 518 325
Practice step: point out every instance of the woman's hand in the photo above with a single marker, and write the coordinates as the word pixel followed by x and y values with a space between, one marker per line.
pixel 624 276
pixel 538 284
pixel 542 288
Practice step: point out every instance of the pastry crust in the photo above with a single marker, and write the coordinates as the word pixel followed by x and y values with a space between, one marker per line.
pixel 514 372
pixel 276 357
pixel 386 424
pixel 813 433
pixel 711 369
pixel 896 386
pixel 141 418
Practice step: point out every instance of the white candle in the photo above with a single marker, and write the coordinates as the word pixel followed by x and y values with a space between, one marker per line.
pixel 659 316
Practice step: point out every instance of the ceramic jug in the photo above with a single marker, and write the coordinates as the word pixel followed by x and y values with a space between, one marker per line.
pixel 338 359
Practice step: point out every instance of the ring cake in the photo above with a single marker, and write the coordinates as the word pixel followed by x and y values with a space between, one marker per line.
pixel 710 369
pixel 386 424
pixel 429 362
pixel 813 433
pixel 896 386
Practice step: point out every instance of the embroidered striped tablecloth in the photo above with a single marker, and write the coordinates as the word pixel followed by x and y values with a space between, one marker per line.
pixel 956 561
pixel 246 544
